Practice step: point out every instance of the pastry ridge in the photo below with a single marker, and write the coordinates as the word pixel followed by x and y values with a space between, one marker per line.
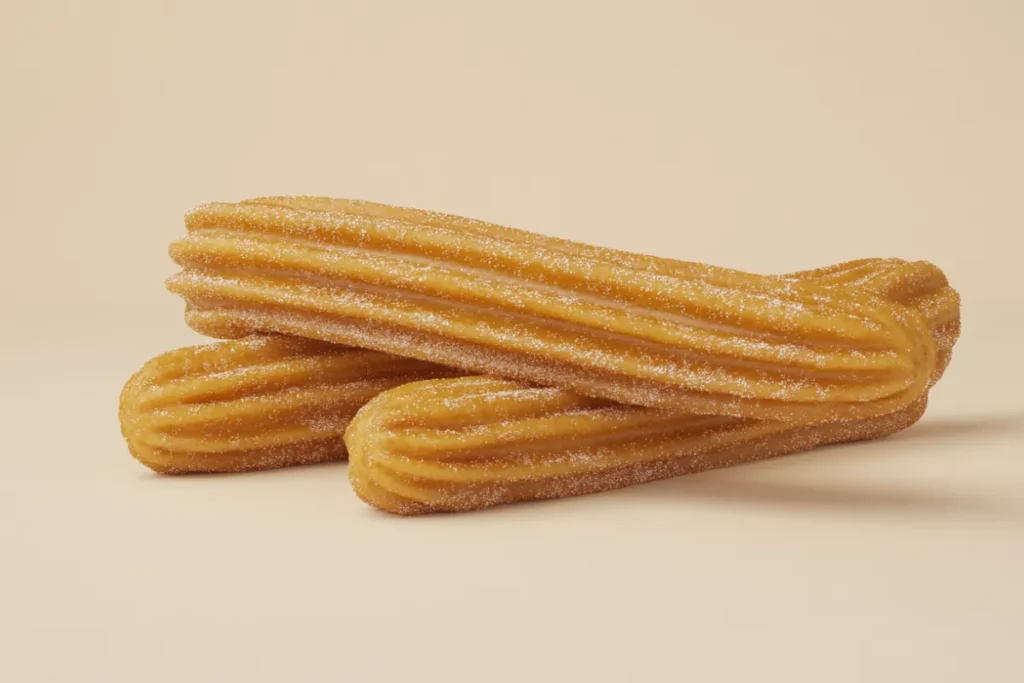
pixel 255 403
pixel 438 468
pixel 606 323
pixel 475 442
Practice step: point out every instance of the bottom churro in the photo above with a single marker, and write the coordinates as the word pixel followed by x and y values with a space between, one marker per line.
pixel 254 403
pixel 456 444
pixel 475 442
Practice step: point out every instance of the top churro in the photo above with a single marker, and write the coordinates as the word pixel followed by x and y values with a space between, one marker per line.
pixel 506 302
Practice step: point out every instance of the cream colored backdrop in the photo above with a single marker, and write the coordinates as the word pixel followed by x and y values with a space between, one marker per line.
pixel 767 136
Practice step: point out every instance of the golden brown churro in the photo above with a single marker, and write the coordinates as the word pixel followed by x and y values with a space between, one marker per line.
pixel 600 322
pixel 475 442
pixel 255 403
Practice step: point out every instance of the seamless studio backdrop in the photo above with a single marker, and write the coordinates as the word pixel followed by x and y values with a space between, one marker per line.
pixel 768 137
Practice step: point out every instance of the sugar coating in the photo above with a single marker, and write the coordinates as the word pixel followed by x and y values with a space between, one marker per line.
pixel 559 313
pixel 610 324
pixel 411 471
pixel 256 403
pixel 465 444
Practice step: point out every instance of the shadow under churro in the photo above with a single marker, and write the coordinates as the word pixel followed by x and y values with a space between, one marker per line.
pixel 952 427
pixel 863 498
pixel 736 484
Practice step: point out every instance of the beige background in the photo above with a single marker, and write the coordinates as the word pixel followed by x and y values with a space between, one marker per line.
pixel 761 135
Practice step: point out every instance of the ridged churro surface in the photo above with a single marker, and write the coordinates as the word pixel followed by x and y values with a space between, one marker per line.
pixel 475 442
pixel 254 403
pixel 505 302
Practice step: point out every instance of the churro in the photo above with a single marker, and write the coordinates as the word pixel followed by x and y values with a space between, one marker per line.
pixel 609 324
pixel 254 403
pixel 476 442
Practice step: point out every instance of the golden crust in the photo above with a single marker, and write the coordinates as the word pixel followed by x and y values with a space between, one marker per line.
pixel 476 442
pixel 255 403
pixel 605 323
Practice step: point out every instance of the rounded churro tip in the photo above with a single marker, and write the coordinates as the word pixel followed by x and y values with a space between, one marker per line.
pixel 610 324
pixel 476 442
pixel 260 402
pixel 466 444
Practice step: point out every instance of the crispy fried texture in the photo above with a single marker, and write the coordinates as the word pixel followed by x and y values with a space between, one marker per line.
pixel 471 443
pixel 475 442
pixel 604 323
pixel 255 403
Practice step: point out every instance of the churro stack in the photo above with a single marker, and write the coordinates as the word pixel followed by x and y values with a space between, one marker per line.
pixel 461 364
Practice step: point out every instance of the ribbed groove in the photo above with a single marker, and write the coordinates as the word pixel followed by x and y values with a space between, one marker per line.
pixel 254 403
pixel 609 324
pixel 475 442
pixel 416 471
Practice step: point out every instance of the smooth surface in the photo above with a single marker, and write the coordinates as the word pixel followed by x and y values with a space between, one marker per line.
pixel 763 136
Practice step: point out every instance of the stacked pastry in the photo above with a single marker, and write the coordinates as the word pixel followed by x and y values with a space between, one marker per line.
pixel 463 364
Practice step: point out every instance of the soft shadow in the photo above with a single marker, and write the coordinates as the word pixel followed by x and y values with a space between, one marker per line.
pixel 736 484
pixel 946 427
pixel 864 498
